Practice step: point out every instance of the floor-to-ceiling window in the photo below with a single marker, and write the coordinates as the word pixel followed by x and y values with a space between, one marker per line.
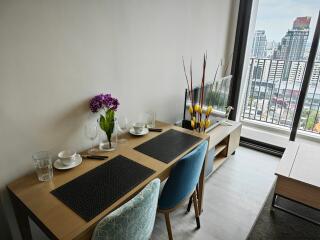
pixel 278 57
pixel 310 117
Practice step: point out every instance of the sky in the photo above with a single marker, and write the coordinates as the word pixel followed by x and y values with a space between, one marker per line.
pixel 277 16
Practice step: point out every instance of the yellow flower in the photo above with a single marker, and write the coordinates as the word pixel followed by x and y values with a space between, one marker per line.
pixel 208 122
pixel 192 123
pixel 209 110
pixel 197 108
pixel 190 109
pixel 202 123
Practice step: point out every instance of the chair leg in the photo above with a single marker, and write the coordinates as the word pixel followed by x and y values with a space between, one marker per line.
pixel 166 215
pixel 190 199
pixel 189 204
pixel 196 208
pixel 197 188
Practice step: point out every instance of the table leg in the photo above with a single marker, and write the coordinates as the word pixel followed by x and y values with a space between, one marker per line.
pixel 274 199
pixel 22 217
pixel 274 205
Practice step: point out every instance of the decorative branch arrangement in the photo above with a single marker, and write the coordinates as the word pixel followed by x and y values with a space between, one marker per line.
pixel 217 93
pixel 196 109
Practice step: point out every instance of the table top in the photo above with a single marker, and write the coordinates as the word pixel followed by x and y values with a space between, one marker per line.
pixel 301 162
pixel 60 220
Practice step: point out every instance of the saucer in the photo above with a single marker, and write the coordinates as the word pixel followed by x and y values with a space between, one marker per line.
pixel 77 161
pixel 143 132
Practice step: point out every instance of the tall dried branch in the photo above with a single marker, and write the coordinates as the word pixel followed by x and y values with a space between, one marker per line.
pixel 214 80
pixel 185 74
pixel 191 80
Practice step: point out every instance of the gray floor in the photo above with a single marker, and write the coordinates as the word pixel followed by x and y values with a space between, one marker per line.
pixel 234 195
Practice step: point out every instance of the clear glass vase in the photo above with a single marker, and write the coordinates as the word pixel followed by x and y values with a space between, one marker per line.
pixel 105 144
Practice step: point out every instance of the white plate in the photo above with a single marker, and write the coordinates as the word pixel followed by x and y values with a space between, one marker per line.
pixel 144 132
pixel 58 164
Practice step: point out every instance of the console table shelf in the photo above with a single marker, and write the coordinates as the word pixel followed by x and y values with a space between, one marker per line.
pixel 219 149
pixel 218 162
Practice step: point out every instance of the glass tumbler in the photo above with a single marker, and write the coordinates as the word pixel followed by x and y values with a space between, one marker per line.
pixel 150 119
pixel 43 165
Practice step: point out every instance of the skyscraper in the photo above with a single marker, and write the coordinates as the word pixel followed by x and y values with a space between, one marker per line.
pixel 293 44
pixel 258 49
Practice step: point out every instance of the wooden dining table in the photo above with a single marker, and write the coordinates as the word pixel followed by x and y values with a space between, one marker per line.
pixel 33 199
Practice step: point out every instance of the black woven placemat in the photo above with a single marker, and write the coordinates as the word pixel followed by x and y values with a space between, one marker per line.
pixel 91 193
pixel 168 145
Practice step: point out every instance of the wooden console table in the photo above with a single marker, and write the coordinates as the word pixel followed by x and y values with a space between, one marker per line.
pixel 224 141
pixel 298 176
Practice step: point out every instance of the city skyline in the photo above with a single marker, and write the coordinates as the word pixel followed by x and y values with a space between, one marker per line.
pixel 277 21
pixel 277 67
pixel 292 46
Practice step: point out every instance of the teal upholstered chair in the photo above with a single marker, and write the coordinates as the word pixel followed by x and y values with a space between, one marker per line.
pixel 134 220
pixel 182 183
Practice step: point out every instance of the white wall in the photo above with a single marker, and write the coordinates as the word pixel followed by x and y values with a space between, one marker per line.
pixel 55 55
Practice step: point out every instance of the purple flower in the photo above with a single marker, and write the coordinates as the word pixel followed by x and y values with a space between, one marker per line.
pixel 103 101
pixel 114 103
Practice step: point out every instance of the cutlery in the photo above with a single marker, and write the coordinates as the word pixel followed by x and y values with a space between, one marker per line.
pixel 95 157
pixel 155 129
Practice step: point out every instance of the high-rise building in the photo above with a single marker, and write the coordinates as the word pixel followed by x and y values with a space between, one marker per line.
pixel 293 44
pixel 271 48
pixel 301 23
pixel 259 45
pixel 318 56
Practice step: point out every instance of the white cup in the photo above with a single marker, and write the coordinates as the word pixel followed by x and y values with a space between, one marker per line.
pixel 138 127
pixel 67 157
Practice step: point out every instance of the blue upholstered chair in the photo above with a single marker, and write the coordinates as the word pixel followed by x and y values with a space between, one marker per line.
pixel 134 220
pixel 182 183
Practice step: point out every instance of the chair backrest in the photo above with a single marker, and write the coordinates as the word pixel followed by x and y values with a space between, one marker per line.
pixel 183 178
pixel 133 220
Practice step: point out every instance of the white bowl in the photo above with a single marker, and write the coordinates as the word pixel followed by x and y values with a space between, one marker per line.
pixel 67 157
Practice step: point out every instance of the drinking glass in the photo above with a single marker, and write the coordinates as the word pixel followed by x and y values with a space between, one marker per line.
pixel 123 125
pixel 43 165
pixel 150 119
pixel 91 132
